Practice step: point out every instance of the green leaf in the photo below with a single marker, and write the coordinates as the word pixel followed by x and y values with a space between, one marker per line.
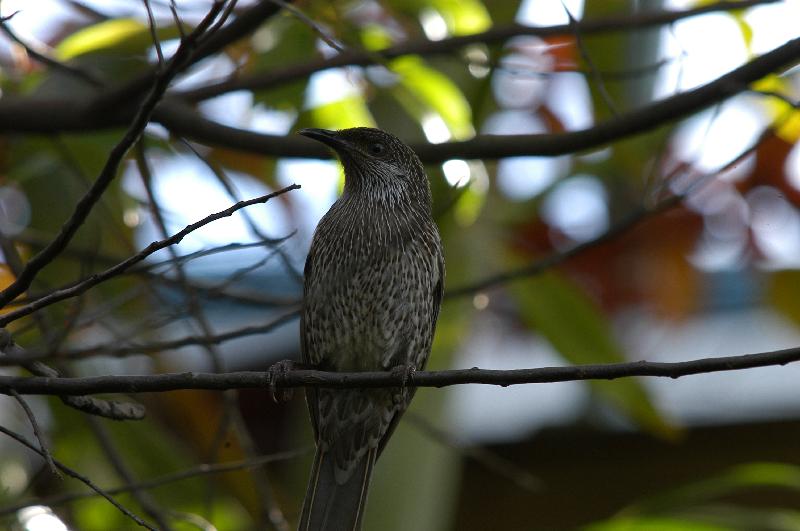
pixel 126 33
pixel 463 17
pixel 436 92
pixel 561 312
pixel 747 476
pixel 654 524
pixel 347 112
pixel 280 44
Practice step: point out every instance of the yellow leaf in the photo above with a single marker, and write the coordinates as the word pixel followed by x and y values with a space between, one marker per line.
pixel 100 36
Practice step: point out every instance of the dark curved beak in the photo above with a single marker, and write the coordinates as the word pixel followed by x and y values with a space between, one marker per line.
pixel 329 138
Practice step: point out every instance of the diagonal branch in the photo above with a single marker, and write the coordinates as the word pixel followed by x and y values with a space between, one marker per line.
pixel 109 171
pixel 80 477
pixel 121 267
pixel 35 116
pixel 183 121
pixel 200 470
pixel 634 21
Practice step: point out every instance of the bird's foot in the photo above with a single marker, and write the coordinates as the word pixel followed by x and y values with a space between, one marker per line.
pixel 406 372
pixel 276 373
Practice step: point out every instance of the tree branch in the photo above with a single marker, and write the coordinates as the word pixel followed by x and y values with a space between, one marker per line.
pixel 109 171
pixel 159 383
pixel 633 21
pixel 200 470
pixel 80 477
pixel 185 122
pixel 35 116
pixel 121 267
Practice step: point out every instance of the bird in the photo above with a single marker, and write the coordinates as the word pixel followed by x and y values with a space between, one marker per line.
pixel 373 285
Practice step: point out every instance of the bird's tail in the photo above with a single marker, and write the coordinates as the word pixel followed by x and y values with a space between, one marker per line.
pixel 329 506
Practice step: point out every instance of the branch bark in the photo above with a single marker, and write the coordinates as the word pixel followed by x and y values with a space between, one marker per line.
pixel 631 22
pixel 159 383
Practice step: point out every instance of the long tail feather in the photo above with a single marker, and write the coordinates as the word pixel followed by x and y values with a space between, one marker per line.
pixel 330 506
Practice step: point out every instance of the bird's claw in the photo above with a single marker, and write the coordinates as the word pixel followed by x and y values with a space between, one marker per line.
pixel 276 373
pixel 405 372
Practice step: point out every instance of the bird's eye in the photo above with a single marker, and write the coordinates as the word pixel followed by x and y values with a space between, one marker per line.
pixel 377 149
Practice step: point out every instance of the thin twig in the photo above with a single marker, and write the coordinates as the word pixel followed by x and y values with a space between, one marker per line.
pixel 177 19
pixel 80 477
pixel 88 404
pixel 197 471
pixel 109 171
pixel 184 121
pixel 598 79
pixel 273 514
pixel 126 475
pixel 123 266
pixel 157 346
pixel 37 431
pixel 630 221
pixel 316 28
pixel 151 22
pixel 497 34
pixel 490 460
pixel 74 71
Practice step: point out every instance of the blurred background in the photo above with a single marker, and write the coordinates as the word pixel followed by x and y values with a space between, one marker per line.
pixel 714 273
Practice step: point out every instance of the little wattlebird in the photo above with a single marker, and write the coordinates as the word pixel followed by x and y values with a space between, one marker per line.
pixel 373 285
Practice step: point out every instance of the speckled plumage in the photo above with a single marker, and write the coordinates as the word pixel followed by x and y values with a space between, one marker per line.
pixel 373 284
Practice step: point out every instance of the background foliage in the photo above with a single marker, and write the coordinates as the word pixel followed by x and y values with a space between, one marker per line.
pixel 670 233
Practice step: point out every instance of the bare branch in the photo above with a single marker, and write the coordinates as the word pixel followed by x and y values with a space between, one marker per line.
pixel 47 116
pixel 121 267
pixel 80 477
pixel 109 171
pixel 151 22
pixel 124 472
pixel 158 346
pixel 88 404
pixel 79 73
pixel 627 223
pixel 639 20
pixel 185 122
pixel 159 383
pixel 593 70
pixel 37 432
pixel 197 471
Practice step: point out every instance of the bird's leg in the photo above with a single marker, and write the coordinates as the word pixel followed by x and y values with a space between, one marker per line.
pixel 276 373
pixel 405 372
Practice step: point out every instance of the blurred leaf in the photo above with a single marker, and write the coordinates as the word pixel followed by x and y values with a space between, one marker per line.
pixel 469 205
pixel 688 507
pixel 124 34
pixel 283 42
pixel 783 114
pixel 436 91
pixel 654 524
pixel 6 276
pixel 351 111
pixel 747 476
pixel 562 313
pixel 463 17
pixel 783 291
pixel 375 37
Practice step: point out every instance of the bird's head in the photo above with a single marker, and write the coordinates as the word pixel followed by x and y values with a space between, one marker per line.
pixel 375 162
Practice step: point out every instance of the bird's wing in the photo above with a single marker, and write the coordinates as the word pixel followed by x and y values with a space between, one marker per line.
pixel 305 355
pixel 438 294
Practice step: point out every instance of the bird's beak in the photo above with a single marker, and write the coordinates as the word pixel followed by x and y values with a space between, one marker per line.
pixel 329 138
